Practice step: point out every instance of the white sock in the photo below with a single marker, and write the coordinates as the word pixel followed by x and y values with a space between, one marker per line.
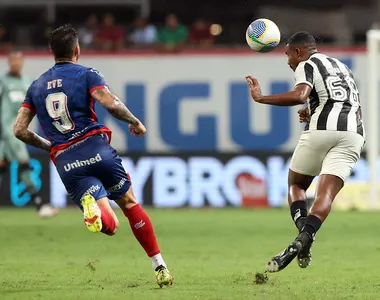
pixel 157 261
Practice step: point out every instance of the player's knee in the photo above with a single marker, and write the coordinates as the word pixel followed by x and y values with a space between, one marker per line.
pixel 294 188
pixel 296 192
pixel 131 200
pixel 127 201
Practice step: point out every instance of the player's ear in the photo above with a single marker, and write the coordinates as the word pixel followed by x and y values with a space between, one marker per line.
pixel 77 51
pixel 298 52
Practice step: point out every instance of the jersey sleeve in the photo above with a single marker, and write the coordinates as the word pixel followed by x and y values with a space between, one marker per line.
pixel 304 74
pixel 95 80
pixel 28 101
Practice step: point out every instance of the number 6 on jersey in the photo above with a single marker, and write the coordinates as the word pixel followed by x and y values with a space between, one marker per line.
pixel 56 105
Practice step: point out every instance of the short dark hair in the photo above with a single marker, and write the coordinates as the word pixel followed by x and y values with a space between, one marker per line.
pixel 62 41
pixel 301 38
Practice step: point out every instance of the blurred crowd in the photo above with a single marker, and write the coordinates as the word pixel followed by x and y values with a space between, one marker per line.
pixel 116 27
pixel 105 33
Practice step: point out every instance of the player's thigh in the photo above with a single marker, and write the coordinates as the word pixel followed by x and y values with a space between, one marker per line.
pixel 113 176
pixel 86 186
pixel 15 149
pixel 309 154
pixel 79 183
pixel 341 159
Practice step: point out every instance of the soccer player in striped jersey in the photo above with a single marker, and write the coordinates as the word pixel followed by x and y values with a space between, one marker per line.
pixel 329 146
pixel 63 99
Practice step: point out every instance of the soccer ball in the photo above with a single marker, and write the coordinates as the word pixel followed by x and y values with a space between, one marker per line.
pixel 263 35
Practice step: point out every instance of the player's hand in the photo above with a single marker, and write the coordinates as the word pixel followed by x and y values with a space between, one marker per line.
pixel 304 115
pixel 254 87
pixel 137 130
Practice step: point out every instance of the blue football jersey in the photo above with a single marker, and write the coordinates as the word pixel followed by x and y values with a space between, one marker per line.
pixel 61 99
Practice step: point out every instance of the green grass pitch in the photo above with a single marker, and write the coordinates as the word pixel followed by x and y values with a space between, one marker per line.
pixel 213 254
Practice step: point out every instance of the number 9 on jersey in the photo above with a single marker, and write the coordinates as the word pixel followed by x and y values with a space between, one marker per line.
pixel 56 105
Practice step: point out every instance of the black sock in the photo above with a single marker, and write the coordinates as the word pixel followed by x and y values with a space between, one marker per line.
pixel 312 225
pixel 298 211
pixel 37 200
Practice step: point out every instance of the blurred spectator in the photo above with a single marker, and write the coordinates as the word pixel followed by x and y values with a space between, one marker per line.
pixel 41 30
pixel 200 34
pixel 173 36
pixel 5 40
pixel 110 36
pixel 145 34
pixel 87 33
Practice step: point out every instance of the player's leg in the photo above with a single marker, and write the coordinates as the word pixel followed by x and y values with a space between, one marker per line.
pixel 109 220
pixel 337 167
pixel 297 187
pixel 16 150
pixel 90 196
pixel 83 185
pixel 3 162
pixel 98 215
pixel 141 226
pixel 143 230
pixel 116 180
pixel 305 165
pixel 327 188
pixel 301 174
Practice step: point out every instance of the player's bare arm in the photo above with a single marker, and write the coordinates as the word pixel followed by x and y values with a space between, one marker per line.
pixel 114 106
pixel 22 132
pixel 298 96
pixel 117 109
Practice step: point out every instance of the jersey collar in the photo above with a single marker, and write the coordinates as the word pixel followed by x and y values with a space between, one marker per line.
pixel 314 53
pixel 63 62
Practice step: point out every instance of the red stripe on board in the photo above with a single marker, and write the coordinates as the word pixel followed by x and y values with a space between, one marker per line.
pixel 191 52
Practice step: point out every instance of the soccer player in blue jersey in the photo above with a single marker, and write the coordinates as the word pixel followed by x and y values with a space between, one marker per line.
pixel 63 98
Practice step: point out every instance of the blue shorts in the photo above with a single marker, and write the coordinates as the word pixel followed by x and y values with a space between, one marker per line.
pixel 92 167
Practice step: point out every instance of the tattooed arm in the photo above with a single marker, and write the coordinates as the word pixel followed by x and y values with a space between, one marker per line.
pixel 114 106
pixel 117 109
pixel 21 131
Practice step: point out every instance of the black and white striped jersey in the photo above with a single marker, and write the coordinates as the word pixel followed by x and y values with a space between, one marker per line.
pixel 334 100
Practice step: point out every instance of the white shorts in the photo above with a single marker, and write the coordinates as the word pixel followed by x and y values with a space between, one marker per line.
pixel 327 152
